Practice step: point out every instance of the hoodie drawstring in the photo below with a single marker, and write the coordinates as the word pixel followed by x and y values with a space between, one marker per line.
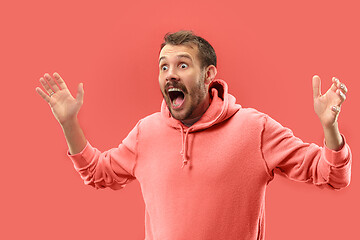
pixel 184 145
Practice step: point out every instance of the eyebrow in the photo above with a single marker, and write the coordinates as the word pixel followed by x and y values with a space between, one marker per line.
pixel 178 56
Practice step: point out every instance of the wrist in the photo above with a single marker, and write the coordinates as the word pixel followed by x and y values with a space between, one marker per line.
pixel 69 123
pixel 330 127
pixel 333 138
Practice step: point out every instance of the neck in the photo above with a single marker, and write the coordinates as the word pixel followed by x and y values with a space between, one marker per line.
pixel 189 122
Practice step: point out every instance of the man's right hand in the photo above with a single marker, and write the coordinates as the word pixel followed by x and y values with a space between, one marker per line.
pixel 63 105
pixel 65 109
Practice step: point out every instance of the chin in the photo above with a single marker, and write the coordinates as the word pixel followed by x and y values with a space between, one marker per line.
pixel 178 116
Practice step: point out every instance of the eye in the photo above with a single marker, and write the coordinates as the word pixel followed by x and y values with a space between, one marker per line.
pixel 164 68
pixel 183 65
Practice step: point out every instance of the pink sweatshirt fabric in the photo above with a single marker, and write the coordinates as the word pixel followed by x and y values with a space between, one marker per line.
pixel 208 181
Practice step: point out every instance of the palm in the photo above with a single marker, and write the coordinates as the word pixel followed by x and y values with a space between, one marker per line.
pixel 322 107
pixel 63 105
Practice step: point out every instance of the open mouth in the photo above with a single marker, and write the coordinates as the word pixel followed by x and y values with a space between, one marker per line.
pixel 176 96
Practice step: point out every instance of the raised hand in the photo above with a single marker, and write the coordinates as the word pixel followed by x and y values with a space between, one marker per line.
pixel 63 105
pixel 328 106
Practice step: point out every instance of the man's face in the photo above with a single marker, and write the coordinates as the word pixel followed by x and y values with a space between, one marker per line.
pixel 182 81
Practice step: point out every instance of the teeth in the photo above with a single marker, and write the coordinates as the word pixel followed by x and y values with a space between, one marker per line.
pixel 174 89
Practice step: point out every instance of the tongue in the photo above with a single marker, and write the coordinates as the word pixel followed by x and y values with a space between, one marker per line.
pixel 178 100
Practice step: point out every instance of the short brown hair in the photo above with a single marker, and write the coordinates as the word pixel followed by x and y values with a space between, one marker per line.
pixel 206 52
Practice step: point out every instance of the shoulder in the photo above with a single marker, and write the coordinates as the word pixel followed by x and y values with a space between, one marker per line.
pixel 155 117
pixel 247 120
pixel 251 111
pixel 151 120
pixel 251 115
pixel 255 117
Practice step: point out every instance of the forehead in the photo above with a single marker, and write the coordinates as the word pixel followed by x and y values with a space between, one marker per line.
pixel 170 51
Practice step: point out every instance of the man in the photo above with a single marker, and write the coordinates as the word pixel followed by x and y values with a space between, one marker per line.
pixel 203 162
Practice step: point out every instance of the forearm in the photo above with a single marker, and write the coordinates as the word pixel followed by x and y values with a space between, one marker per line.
pixel 74 135
pixel 333 138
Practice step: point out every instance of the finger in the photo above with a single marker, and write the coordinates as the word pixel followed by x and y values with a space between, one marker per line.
pixel 336 84
pixel 339 85
pixel 341 94
pixel 80 93
pixel 60 81
pixel 335 109
pixel 42 94
pixel 46 86
pixel 316 83
pixel 51 82
pixel 343 88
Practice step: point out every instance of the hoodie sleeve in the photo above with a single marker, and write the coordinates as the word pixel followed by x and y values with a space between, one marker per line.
pixel 304 162
pixel 113 168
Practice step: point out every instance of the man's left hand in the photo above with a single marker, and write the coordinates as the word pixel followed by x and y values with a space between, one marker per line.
pixel 328 106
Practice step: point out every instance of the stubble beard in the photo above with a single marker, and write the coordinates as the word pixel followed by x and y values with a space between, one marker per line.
pixel 199 93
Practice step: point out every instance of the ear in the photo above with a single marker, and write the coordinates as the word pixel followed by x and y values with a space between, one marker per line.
pixel 210 74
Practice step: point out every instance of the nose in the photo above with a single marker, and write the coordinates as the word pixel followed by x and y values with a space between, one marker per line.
pixel 172 75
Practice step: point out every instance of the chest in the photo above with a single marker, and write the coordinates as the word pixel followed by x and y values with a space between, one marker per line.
pixel 222 153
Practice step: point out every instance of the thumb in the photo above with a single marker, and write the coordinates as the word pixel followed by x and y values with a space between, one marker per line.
pixel 80 93
pixel 316 83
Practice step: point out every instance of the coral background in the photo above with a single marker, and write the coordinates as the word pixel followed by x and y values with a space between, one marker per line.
pixel 267 51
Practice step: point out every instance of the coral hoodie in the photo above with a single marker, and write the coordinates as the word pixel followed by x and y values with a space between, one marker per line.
pixel 208 181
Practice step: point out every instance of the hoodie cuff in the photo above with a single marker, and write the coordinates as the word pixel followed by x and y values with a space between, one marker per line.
pixel 83 158
pixel 338 158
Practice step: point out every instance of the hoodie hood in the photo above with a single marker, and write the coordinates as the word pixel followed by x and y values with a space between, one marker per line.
pixel 222 106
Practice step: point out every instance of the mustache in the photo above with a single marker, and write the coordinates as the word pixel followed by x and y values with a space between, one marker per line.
pixel 176 84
